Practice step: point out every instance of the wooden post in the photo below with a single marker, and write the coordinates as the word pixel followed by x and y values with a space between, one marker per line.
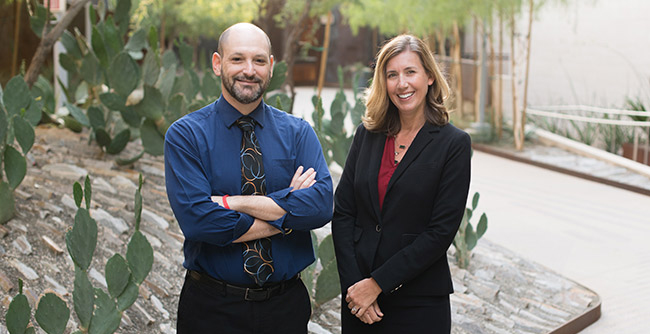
pixel 323 58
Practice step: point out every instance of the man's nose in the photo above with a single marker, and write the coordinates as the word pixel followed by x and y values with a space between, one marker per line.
pixel 249 68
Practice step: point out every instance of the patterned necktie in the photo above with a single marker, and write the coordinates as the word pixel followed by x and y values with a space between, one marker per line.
pixel 258 262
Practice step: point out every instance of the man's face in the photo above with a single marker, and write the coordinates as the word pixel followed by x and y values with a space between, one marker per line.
pixel 245 67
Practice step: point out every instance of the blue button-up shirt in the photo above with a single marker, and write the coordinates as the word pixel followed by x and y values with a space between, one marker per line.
pixel 202 160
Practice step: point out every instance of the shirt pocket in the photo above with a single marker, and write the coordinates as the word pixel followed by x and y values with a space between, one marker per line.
pixel 282 171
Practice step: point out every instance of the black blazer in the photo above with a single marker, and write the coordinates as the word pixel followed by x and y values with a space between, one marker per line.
pixel 404 246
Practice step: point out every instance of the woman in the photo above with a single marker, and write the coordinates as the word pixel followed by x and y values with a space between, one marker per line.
pixel 401 199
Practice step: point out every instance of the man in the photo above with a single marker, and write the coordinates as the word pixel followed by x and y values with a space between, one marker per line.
pixel 237 186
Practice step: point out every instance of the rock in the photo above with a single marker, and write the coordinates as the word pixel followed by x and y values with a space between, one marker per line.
pixel 48 229
pixel 69 202
pixel 3 231
pixel 159 306
pixel 58 288
pixel 153 170
pixel 111 202
pixel 124 185
pixel 148 319
pixel 51 244
pixel 157 290
pixel 100 184
pixel 484 289
pixel 5 283
pixel 24 269
pixel 315 328
pixel 22 245
pixel 66 171
pixel 144 292
pixel 167 328
pixel 103 217
pixel 97 276
pixel 54 208
pixel 155 242
pixel 17 225
pixel 153 218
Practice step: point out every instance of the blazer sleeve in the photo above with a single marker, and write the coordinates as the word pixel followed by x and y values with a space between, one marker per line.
pixel 447 213
pixel 345 215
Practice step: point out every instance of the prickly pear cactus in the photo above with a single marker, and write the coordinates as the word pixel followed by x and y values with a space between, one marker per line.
pixel 466 238
pixel 97 311
pixel 20 111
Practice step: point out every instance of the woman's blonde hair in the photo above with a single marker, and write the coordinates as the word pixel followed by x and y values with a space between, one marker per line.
pixel 381 114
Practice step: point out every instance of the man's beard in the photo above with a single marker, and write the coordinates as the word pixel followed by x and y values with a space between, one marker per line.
pixel 245 95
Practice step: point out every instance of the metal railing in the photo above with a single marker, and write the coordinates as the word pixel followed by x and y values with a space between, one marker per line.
pixel 563 112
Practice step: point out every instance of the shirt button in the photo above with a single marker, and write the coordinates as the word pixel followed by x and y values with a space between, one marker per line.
pixel 378 228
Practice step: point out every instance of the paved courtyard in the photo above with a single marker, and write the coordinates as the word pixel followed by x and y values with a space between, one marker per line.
pixel 594 234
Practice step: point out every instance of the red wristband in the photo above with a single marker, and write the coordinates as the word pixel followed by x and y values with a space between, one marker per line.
pixel 225 203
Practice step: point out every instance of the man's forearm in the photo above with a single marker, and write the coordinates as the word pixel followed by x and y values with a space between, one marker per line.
pixel 259 229
pixel 260 207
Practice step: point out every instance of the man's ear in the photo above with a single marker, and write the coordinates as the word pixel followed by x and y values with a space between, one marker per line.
pixel 216 64
pixel 272 60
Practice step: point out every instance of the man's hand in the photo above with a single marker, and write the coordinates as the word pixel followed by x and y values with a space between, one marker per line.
pixel 302 180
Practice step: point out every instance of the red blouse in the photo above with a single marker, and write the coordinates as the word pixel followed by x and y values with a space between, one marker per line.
pixel 386 169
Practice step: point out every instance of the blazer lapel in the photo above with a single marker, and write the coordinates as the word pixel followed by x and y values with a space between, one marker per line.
pixel 376 152
pixel 421 140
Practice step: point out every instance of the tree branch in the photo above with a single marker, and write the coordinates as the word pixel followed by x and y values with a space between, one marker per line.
pixel 47 42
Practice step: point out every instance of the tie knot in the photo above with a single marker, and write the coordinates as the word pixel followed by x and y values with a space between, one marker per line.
pixel 246 123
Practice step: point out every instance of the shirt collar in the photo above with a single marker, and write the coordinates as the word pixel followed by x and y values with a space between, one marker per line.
pixel 229 115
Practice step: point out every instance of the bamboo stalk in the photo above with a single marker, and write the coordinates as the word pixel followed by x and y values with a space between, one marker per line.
pixel 529 40
pixel 499 117
pixel 458 69
pixel 477 77
pixel 323 58
pixel 492 78
pixel 515 123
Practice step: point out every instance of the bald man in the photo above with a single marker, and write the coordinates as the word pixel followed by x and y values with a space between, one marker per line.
pixel 247 183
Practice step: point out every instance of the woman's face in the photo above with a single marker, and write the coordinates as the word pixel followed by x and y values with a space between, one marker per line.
pixel 407 82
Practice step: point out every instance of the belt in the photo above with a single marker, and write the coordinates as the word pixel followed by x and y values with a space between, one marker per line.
pixel 248 294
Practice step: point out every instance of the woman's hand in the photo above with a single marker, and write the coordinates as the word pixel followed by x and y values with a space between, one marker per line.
pixel 372 315
pixel 361 296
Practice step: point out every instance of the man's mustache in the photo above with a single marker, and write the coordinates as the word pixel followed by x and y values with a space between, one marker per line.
pixel 252 78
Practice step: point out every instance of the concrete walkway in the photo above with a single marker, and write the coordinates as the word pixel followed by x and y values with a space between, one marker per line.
pixel 594 234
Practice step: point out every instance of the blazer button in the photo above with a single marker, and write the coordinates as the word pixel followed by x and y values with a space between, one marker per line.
pixel 377 228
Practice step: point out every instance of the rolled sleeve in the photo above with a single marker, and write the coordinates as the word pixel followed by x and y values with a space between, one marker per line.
pixel 188 191
pixel 312 207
